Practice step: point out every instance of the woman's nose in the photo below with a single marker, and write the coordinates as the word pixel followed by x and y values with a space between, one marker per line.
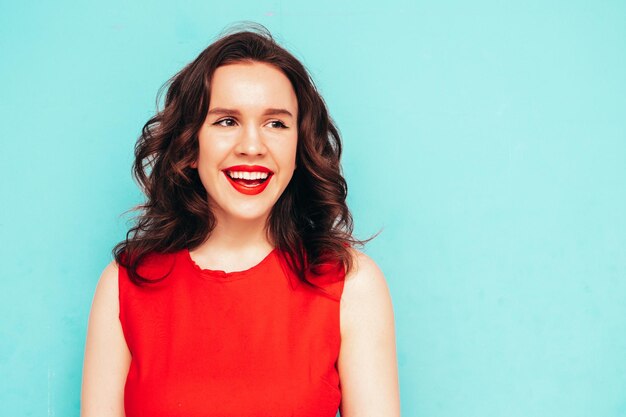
pixel 251 141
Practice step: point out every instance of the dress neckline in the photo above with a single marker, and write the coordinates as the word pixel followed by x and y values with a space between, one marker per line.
pixel 231 275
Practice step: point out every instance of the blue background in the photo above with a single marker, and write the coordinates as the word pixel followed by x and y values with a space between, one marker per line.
pixel 486 138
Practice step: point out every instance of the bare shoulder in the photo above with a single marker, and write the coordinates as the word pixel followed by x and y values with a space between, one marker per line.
pixel 367 361
pixel 106 296
pixel 366 300
pixel 365 284
pixel 108 284
pixel 107 357
pixel 363 266
pixel 104 314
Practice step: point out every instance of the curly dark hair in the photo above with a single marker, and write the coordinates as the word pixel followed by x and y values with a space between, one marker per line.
pixel 310 223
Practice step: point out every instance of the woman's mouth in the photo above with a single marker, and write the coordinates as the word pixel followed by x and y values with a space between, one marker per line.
pixel 249 182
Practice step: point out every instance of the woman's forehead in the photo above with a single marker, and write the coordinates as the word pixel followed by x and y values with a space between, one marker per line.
pixel 252 87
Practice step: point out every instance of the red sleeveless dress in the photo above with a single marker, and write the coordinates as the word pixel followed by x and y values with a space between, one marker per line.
pixel 210 343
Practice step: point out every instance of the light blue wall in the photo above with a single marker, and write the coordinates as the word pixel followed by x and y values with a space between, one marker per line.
pixel 486 138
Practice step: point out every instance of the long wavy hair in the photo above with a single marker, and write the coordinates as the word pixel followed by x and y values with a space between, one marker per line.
pixel 310 223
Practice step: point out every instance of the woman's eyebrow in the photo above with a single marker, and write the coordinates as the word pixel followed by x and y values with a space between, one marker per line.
pixel 274 112
pixel 267 112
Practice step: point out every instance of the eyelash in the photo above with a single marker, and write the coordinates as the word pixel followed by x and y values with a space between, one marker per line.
pixel 218 123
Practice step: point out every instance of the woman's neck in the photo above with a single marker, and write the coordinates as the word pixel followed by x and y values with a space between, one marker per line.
pixel 238 235
pixel 234 245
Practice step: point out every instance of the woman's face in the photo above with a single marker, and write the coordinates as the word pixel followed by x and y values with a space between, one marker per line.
pixel 247 144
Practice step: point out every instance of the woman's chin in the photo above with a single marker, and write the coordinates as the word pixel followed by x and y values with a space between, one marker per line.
pixel 245 216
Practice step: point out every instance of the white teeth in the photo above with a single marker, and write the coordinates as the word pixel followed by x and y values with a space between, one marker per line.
pixel 248 175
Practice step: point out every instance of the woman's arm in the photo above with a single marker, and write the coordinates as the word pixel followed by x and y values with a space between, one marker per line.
pixel 107 358
pixel 367 363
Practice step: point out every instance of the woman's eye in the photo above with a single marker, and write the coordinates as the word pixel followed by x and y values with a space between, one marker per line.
pixel 278 124
pixel 225 122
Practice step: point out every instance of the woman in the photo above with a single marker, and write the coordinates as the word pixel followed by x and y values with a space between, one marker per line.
pixel 239 291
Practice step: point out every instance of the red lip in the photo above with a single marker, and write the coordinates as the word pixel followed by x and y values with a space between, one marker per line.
pixel 244 189
pixel 248 168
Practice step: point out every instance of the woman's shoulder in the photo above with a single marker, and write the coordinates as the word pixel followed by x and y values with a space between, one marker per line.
pixel 365 293
pixel 107 358
pixel 105 302
pixel 365 275
pixel 151 265
pixel 108 281
pixel 367 361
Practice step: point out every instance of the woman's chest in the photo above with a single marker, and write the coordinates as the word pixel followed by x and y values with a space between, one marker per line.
pixel 213 354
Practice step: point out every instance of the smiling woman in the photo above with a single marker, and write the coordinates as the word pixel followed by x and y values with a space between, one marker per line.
pixel 239 291
pixel 251 120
